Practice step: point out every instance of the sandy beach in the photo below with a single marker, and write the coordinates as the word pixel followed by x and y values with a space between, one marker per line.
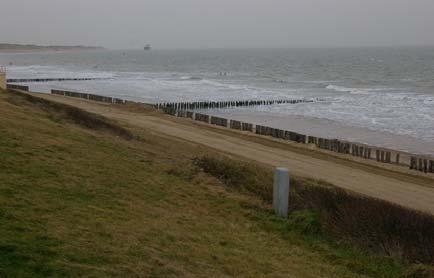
pixel 329 129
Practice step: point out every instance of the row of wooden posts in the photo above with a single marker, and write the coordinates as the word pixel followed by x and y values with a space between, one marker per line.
pixel 282 134
pixel 17 87
pixel 234 124
pixel 421 164
pixel 27 80
pixel 223 104
pixel 335 145
pixel 89 96
pixel 327 144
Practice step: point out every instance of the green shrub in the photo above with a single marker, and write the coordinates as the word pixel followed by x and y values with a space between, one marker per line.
pixel 374 225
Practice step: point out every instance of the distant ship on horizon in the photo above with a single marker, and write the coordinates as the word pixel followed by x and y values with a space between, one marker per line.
pixel 147 47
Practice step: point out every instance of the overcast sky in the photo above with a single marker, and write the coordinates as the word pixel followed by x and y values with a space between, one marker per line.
pixel 218 23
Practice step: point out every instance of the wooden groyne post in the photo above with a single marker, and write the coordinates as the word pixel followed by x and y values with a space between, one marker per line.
pixel 281 191
pixel 422 164
pixel 219 121
pixel 17 87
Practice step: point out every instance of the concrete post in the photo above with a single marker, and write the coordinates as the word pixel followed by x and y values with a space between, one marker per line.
pixel 2 78
pixel 281 191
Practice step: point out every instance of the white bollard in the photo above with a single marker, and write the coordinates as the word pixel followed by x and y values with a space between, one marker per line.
pixel 281 191
pixel 3 82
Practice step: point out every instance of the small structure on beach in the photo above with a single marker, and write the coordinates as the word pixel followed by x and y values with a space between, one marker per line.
pixel 2 78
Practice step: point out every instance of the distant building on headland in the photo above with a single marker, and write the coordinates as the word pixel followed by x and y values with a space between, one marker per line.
pixel 8 47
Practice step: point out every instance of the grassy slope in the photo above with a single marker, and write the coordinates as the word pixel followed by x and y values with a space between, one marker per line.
pixel 75 201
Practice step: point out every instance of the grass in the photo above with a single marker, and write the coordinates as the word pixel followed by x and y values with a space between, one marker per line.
pixel 81 200
pixel 59 112
pixel 346 220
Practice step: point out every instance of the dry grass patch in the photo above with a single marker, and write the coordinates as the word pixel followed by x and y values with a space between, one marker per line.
pixel 59 112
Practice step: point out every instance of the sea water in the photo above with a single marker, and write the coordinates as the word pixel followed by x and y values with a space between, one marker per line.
pixel 379 96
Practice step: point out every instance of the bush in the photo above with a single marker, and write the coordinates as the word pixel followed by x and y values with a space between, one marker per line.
pixel 247 177
pixel 374 225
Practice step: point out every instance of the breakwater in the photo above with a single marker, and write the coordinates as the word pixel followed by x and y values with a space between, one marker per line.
pixel 282 134
pixel 17 87
pixel 89 96
pixel 29 80
pixel 422 164
pixel 167 106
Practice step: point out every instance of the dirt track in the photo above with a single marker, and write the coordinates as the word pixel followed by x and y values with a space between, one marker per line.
pixel 395 185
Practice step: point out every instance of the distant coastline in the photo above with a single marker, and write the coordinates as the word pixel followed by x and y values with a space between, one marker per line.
pixel 7 47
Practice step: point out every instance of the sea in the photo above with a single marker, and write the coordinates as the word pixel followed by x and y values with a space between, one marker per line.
pixel 377 96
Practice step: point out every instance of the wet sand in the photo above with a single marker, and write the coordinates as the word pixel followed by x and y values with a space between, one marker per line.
pixel 329 129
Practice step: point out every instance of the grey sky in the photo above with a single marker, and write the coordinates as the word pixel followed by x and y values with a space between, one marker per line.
pixel 218 23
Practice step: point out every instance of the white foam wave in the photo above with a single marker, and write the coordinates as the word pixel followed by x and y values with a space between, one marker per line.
pixel 338 88
pixel 38 71
pixel 355 91
pixel 191 78
pixel 358 91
